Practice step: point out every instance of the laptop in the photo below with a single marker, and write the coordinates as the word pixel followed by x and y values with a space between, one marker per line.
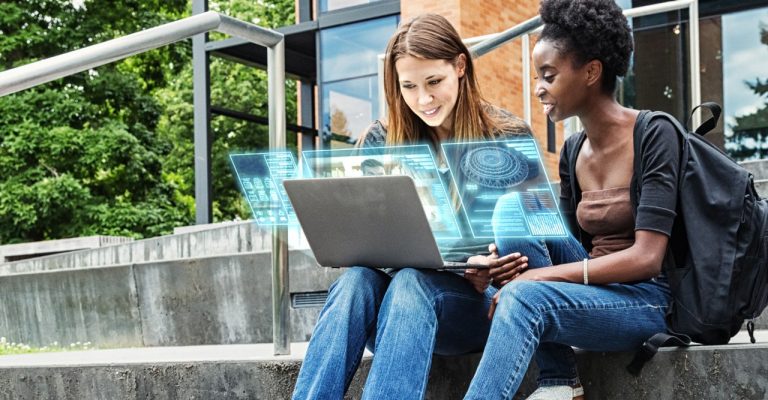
pixel 373 221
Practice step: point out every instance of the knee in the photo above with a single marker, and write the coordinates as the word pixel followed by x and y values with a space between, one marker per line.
pixel 409 287
pixel 521 295
pixel 358 284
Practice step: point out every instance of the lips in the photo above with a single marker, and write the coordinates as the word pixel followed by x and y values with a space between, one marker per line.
pixel 547 108
pixel 431 113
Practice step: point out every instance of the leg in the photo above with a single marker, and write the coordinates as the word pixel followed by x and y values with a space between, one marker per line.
pixel 345 323
pixel 423 312
pixel 556 362
pixel 597 318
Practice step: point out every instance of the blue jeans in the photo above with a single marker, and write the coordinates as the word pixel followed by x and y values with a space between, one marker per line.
pixel 404 319
pixel 544 319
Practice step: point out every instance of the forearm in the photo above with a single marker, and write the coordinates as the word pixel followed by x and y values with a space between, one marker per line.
pixel 624 266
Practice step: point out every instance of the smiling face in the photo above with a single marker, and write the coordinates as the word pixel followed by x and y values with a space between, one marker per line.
pixel 560 87
pixel 430 88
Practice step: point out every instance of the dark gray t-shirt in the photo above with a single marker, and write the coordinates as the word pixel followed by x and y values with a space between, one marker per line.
pixel 659 168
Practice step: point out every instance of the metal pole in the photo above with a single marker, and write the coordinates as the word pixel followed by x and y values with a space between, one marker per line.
pixel 527 78
pixel 281 329
pixel 202 122
pixel 695 61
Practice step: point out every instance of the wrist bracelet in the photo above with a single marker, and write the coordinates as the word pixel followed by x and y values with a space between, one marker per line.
pixel 585 269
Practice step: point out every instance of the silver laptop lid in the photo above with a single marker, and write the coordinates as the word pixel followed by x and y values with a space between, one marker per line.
pixel 375 221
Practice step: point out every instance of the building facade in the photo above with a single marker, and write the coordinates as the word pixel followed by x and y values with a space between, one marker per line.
pixel 334 48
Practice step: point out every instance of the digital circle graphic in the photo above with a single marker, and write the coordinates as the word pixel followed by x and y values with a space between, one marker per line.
pixel 495 167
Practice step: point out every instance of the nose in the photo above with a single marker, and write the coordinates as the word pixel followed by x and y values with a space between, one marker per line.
pixel 538 89
pixel 425 98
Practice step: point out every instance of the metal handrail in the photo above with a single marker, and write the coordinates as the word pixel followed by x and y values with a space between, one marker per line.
pixel 60 66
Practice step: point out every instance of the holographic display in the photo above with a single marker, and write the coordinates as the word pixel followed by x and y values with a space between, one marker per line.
pixel 261 177
pixel 504 189
pixel 416 161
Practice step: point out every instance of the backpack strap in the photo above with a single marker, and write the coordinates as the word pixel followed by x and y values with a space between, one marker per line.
pixel 651 347
pixel 710 123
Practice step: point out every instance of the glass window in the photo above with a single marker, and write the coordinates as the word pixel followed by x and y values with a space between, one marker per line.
pixel 349 73
pixel 330 5
pixel 745 83
pixel 352 50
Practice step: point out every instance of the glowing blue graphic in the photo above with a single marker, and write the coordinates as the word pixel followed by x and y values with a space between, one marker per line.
pixel 415 161
pixel 504 189
pixel 261 177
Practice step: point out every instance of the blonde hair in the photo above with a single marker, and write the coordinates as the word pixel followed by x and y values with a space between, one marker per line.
pixel 432 37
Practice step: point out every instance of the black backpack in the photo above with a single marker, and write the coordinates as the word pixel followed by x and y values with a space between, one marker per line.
pixel 718 276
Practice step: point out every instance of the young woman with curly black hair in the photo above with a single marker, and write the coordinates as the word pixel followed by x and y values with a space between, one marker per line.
pixel 612 297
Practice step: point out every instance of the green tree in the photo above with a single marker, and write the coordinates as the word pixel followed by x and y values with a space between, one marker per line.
pixel 109 151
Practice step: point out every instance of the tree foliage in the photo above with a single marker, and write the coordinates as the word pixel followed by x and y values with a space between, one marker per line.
pixel 110 151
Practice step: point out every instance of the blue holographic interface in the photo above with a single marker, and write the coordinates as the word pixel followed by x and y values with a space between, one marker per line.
pixel 504 189
pixel 417 162
pixel 261 177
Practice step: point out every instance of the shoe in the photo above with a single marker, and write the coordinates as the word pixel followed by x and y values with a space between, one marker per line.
pixel 560 392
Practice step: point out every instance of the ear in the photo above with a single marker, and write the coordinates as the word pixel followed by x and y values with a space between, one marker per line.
pixel 461 64
pixel 594 71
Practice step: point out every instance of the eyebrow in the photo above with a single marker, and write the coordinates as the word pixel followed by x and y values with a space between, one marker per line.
pixel 426 79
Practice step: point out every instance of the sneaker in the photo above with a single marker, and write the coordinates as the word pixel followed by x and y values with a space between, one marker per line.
pixel 560 392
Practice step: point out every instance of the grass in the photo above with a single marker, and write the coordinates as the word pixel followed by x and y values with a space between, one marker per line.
pixel 9 348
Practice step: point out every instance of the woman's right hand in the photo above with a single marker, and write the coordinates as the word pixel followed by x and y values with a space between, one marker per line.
pixel 505 269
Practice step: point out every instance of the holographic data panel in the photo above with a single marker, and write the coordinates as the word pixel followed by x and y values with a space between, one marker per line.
pixel 504 188
pixel 261 177
pixel 415 161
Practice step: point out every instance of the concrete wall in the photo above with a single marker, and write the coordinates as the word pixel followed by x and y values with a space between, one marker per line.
pixel 215 300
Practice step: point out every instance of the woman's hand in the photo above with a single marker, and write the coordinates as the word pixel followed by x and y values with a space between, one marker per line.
pixel 479 278
pixel 506 268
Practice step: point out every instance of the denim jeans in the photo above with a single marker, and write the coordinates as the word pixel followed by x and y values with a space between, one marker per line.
pixel 404 320
pixel 544 319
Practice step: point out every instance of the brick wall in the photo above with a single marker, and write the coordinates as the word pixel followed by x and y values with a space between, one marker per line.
pixel 499 72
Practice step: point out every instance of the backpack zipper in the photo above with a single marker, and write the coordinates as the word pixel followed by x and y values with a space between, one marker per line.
pixel 751 329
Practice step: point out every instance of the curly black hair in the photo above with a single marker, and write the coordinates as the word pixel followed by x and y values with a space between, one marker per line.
pixel 590 30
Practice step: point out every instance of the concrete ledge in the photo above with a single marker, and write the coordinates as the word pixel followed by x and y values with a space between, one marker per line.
pixel 10 252
pixel 233 238
pixel 213 300
pixel 250 371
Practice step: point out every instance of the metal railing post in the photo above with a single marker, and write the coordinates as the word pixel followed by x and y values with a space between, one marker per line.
pixel 695 61
pixel 526 51
pixel 281 330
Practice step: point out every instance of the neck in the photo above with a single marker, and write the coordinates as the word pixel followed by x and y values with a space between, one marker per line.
pixel 443 132
pixel 603 121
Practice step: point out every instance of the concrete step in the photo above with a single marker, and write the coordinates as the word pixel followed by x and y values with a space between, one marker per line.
pixel 214 300
pixel 218 239
pixel 758 168
pixel 734 371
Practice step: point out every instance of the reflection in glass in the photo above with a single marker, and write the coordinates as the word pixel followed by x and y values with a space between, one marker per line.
pixel 348 108
pixel 352 50
pixel 330 5
pixel 349 97
pixel 745 84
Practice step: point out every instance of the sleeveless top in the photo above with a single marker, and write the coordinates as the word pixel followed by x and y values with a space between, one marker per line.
pixel 607 216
